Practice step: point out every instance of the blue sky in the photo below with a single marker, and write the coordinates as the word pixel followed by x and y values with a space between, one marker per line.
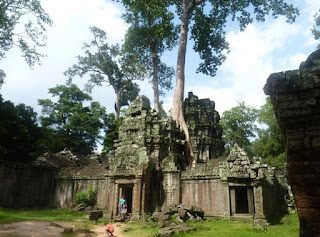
pixel 263 48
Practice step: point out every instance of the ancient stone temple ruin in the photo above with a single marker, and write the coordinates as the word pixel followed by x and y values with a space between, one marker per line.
pixel 148 166
pixel 295 96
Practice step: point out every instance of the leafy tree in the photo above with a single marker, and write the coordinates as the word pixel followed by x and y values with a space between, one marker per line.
pixel 33 37
pixel 151 32
pixel 75 126
pixel 102 63
pixel 19 132
pixel 270 142
pixel 316 28
pixel 239 126
pixel 207 20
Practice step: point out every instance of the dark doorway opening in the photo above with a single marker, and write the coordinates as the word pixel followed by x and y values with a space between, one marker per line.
pixel 242 201
pixel 127 193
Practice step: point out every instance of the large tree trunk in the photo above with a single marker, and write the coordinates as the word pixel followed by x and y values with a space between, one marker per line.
pixel 177 105
pixel 155 83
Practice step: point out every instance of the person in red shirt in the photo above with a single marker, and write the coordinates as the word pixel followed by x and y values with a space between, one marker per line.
pixel 109 229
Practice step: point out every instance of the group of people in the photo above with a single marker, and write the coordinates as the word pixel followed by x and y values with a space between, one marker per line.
pixel 123 211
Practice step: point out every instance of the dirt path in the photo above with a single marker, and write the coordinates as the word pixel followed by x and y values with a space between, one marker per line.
pixel 49 229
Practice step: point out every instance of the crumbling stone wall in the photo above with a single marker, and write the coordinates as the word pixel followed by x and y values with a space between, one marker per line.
pixel 66 188
pixel 24 185
pixel 295 96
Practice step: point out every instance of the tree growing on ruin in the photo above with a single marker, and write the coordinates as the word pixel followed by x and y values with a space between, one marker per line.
pixel 106 64
pixel 151 32
pixel 12 14
pixel 206 20
pixel 76 126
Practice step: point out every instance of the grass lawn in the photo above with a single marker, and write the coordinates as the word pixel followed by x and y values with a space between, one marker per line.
pixel 288 226
pixel 10 215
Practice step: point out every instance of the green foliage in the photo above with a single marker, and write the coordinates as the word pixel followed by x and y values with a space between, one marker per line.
pixel 105 63
pixel 239 126
pixel 162 112
pixel 270 142
pixel 150 33
pixel 316 28
pixel 19 132
pixel 209 19
pixel 12 13
pixel 112 133
pixel 10 215
pixel 72 124
pixel 87 197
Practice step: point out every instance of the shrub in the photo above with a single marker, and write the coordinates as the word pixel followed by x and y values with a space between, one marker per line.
pixel 87 197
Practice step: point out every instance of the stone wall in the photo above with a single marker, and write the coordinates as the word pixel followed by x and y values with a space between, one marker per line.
pixel 295 96
pixel 24 185
pixel 211 195
pixel 66 188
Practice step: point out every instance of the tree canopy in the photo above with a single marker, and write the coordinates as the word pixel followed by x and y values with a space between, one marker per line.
pixel 151 31
pixel 12 13
pixel 316 28
pixel 19 132
pixel 105 63
pixel 239 126
pixel 270 145
pixel 76 126
pixel 206 20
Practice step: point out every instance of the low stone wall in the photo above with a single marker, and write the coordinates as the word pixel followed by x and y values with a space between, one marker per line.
pixel 24 185
pixel 66 188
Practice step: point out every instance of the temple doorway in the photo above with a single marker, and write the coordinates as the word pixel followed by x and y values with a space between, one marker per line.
pixel 241 200
pixel 127 192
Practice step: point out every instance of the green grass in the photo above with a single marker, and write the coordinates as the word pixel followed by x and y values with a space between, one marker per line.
pixel 288 227
pixel 9 215
pixel 140 229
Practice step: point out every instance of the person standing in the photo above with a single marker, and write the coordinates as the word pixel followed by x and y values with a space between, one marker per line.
pixel 122 201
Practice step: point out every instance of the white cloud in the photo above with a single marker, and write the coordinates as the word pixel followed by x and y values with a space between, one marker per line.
pixel 261 49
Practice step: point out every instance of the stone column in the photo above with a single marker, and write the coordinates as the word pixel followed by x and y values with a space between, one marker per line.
pixel 295 96
pixel 171 186
pixel 110 196
pixel 233 201
pixel 136 199
pixel 116 200
pixel 250 201
pixel 258 201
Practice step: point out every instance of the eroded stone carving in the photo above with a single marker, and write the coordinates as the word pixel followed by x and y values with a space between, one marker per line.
pixel 205 131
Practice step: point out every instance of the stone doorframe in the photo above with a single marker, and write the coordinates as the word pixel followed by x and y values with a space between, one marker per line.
pixel 233 199
pixel 137 195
